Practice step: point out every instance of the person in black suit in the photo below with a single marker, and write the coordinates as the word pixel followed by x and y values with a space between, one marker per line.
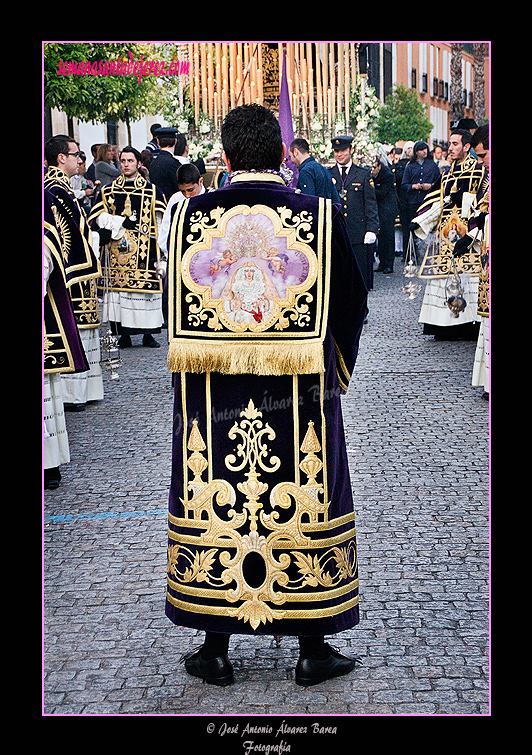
pixel 359 204
pixel 388 206
pixel 181 154
pixel 164 167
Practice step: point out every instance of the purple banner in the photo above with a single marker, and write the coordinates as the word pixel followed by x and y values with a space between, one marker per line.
pixel 285 120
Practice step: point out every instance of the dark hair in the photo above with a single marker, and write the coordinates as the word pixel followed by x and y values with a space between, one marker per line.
pixel 165 141
pixel 188 174
pixel 133 150
pixel 251 138
pixel 417 147
pixel 180 144
pixel 154 128
pixel 146 157
pixel 301 144
pixel 57 145
pixel 464 133
pixel 466 123
pixel 481 136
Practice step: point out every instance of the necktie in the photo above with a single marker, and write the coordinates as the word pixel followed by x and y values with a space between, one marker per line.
pixel 344 173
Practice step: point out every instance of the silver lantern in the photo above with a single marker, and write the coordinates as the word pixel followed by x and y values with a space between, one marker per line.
pixel 411 287
pixel 454 292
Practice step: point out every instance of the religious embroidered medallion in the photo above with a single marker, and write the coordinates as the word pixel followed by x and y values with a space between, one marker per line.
pixel 248 288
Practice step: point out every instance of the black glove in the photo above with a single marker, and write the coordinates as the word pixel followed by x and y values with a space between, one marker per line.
pixel 105 236
pixel 129 224
pixel 414 226
pixel 480 220
pixel 456 198
pixel 462 246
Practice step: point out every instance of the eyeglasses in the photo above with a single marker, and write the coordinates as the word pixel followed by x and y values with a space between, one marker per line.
pixel 74 154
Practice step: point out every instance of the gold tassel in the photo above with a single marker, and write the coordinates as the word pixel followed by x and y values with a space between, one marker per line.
pixel 127 207
pixel 246 358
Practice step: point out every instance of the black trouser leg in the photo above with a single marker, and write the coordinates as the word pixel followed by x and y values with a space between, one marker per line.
pixel 215 645
pixel 313 648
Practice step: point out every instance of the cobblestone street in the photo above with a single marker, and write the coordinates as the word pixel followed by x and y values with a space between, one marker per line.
pixel 418 444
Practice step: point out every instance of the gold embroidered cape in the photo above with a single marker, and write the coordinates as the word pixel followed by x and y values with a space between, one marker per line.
pixel 82 268
pixel 266 308
pixel 62 347
pixel 482 205
pixel 130 261
pixel 443 218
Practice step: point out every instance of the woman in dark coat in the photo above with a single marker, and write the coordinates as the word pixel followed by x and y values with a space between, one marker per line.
pixel 420 175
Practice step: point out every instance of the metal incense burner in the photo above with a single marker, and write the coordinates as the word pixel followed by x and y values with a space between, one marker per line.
pixel 454 292
pixel 410 287
pixel 111 359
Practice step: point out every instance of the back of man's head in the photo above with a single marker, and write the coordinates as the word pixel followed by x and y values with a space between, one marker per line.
pixel 251 138
pixel 301 144
pixel 165 142
pixel 188 174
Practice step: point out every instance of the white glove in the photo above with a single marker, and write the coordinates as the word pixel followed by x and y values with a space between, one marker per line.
pixel 111 223
pixel 95 238
pixel 370 238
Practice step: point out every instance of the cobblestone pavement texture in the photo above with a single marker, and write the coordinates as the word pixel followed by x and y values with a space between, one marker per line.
pixel 418 444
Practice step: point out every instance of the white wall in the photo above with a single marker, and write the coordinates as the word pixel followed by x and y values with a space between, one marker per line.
pixel 96 133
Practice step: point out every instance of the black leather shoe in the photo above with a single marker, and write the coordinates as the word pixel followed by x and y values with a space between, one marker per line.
pixel 311 671
pixel 150 342
pixel 74 407
pixel 52 478
pixel 214 670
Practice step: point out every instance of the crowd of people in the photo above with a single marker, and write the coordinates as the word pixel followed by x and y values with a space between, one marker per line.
pixel 254 282
pixel 381 208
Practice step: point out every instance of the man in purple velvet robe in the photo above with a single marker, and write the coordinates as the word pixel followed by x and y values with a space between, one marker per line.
pixel 63 351
pixel 266 307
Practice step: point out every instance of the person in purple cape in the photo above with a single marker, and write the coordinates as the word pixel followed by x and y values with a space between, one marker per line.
pixel 261 527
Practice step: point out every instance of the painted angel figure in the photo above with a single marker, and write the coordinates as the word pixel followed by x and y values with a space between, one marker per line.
pixel 222 261
pixel 276 260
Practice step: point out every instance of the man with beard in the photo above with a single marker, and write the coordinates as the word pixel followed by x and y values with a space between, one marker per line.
pixel 441 219
pixel 82 268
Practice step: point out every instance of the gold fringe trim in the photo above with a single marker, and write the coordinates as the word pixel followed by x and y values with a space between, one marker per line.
pixel 254 358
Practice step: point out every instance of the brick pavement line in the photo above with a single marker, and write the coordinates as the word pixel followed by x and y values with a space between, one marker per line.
pixel 104 515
